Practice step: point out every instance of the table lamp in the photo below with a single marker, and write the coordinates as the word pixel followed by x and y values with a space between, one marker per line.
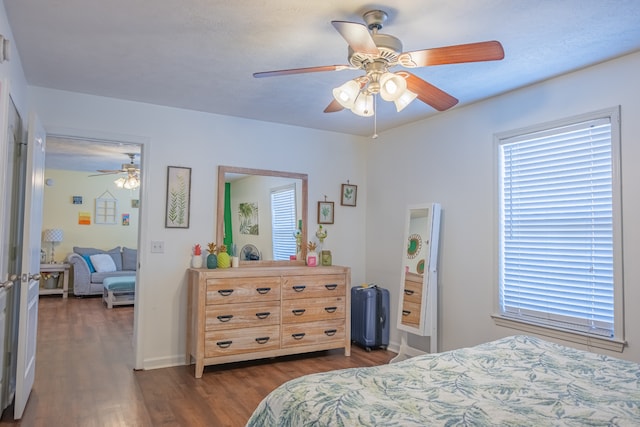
pixel 52 235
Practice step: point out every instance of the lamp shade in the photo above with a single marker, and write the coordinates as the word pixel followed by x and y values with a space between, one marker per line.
pixel 347 93
pixel 363 105
pixel 392 86
pixel 52 235
pixel 404 100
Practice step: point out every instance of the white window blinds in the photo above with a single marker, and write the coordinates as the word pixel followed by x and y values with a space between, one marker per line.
pixel 283 217
pixel 556 228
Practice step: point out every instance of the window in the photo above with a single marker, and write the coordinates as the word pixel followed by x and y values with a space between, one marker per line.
pixel 559 229
pixel 283 221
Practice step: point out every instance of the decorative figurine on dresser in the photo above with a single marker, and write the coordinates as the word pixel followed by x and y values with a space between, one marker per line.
pixel 266 311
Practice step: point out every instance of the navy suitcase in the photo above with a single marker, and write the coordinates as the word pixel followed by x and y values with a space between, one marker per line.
pixel 370 316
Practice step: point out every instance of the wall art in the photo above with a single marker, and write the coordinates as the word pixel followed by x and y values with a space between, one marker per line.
pixel 325 212
pixel 349 194
pixel 178 197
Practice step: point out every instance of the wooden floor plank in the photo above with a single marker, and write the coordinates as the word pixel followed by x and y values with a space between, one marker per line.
pixel 85 376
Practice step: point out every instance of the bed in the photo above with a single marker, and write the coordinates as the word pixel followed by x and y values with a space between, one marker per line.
pixel 514 381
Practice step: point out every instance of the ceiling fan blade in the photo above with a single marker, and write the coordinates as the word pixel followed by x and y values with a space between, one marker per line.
pixel 472 52
pixel 357 36
pixel 301 70
pixel 102 173
pixel 428 93
pixel 333 107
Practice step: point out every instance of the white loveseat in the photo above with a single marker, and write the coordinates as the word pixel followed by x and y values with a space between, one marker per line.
pixel 88 281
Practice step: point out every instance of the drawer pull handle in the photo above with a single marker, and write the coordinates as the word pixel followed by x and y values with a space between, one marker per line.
pixel 299 288
pixel 224 344
pixel 263 290
pixel 263 315
pixel 331 286
pixel 298 312
pixel 330 332
pixel 408 292
pixel 406 312
pixel 225 292
pixel 225 318
pixel 330 309
pixel 262 340
pixel 298 336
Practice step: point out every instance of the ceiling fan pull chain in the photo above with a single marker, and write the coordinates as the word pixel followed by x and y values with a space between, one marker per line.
pixel 375 118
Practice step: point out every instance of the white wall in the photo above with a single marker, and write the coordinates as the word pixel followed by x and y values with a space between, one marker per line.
pixel 449 159
pixel 202 142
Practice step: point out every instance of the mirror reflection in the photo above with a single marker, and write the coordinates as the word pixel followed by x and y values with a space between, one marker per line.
pixel 260 213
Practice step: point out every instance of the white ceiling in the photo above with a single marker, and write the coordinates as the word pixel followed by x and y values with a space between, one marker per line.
pixel 200 54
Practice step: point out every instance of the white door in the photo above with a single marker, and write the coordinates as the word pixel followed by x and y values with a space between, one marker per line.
pixel 29 280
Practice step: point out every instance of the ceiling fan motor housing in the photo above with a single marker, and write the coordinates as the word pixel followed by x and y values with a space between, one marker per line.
pixel 390 48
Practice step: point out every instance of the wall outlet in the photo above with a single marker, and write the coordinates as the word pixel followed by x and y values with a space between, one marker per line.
pixel 157 247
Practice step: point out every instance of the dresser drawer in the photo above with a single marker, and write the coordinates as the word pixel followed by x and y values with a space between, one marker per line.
pixel 328 285
pixel 410 313
pixel 412 291
pixel 252 314
pixel 310 310
pixel 235 290
pixel 312 333
pixel 238 341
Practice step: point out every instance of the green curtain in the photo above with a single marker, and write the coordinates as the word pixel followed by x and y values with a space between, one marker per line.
pixel 228 232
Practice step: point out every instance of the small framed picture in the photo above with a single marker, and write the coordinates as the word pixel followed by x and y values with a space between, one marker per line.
pixel 349 195
pixel 325 212
pixel 135 203
pixel 77 200
pixel 178 197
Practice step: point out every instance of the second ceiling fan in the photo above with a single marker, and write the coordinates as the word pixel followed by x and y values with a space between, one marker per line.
pixel 376 54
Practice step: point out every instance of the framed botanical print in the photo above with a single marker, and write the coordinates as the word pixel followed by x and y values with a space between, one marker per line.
pixel 178 197
pixel 325 212
pixel 349 195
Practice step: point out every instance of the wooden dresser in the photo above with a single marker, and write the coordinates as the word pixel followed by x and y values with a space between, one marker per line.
pixel 246 313
pixel 412 299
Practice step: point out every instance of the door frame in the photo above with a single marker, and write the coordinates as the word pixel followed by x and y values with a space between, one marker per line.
pixel 144 217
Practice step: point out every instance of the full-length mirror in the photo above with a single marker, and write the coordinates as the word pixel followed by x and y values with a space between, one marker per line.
pixel 262 214
pixel 418 301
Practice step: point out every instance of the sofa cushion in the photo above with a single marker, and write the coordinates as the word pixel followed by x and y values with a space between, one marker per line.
pixel 116 254
pixel 87 251
pixel 103 263
pixel 87 258
pixel 129 259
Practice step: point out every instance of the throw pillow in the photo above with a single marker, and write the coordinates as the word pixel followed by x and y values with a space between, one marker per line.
pixel 103 263
pixel 89 263
pixel 87 251
pixel 117 257
pixel 129 259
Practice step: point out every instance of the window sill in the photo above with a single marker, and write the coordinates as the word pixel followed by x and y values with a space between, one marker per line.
pixel 610 344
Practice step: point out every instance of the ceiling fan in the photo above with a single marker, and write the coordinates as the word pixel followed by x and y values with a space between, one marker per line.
pixel 132 171
pixel 376 54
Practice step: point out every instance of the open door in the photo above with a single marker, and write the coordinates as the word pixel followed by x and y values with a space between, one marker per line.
pixel 30 270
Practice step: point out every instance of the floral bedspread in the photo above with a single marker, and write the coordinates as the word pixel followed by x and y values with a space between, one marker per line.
pixel 514 381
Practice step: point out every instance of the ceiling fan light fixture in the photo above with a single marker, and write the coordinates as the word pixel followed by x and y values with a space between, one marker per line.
pixel 347 93
pixel 392 86
pixel 405 99
pixel 363 106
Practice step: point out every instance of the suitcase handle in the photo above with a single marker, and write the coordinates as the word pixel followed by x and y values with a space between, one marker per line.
pixel 225 292
pixel 224 344
pixel 330 309
pixel 263 315
pixel 225 318
pixel 299 288
pixel 331 286
pixel 408 292
pixel 406 312
pixel 263 290
pixel 262 340
pixel 330 332
pixel 298 312
pixel 298 336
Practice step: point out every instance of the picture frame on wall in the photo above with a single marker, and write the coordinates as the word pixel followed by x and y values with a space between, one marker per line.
pixel 325 212
pixel 178 197
pixel 349 195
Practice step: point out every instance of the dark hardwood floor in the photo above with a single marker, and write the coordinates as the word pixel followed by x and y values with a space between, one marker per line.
pixel 85 376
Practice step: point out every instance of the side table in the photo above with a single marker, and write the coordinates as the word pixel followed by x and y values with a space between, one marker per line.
pixel 62 268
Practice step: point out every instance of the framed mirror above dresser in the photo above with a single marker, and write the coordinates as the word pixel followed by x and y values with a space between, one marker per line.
pixel 245 214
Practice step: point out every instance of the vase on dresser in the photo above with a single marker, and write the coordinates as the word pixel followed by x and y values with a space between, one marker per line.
pixel 196 261
pixel 212 261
